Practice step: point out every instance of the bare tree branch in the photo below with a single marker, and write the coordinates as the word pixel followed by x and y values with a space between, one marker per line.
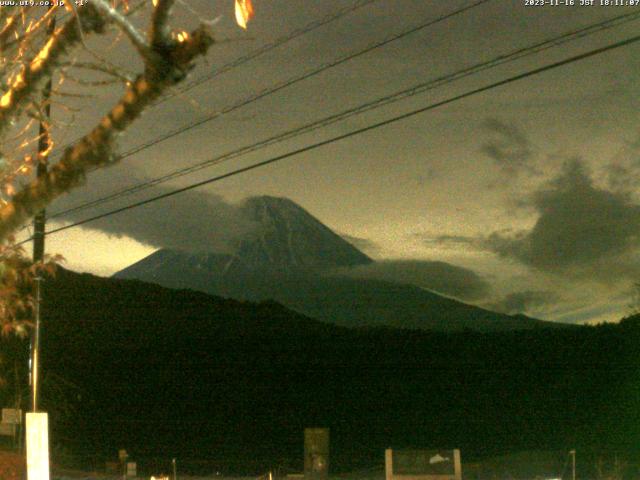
pixel 113 15
pixel 112 71
pixel 96 148
pixel 38 68
pixel 159 33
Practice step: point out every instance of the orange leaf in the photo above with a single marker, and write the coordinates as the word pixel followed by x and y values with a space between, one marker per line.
pixel 244 12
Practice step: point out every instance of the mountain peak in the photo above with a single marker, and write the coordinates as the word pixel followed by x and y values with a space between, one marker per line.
pixel 271 201
pixel 284 258
pixel 288 236
pixel 285 238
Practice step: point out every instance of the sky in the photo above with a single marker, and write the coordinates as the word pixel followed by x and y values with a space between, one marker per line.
pixel 522 198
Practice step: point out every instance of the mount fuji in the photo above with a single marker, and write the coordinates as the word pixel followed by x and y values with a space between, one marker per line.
pixel 293 258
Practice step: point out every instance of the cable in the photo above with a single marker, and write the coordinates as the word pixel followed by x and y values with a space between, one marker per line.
pixel 236 63
pixel 420 88
pixel 254 54
pixel 358 131
pixel 292 81
pixel 270 46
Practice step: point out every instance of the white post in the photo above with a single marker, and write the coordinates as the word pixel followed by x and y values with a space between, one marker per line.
pixel 37 446
pixel 573 464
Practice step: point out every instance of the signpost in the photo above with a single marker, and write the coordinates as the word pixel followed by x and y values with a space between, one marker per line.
pixel 122 456
pixel 316 453
pixel 11 418
pixel 423 465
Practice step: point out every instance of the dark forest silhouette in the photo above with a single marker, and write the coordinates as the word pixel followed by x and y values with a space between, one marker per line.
pixel 232 384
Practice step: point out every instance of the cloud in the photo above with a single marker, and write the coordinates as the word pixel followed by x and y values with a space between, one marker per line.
pixel 524 301
pixel 620 178
pixel 195 221
pixel 623 171
pixel 440 277
pixel 365 245
pixel 580 227
pixel 449 241
pixel 508 147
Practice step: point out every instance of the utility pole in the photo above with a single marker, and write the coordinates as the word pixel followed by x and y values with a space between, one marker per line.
pixel 44 147
pixel 573 464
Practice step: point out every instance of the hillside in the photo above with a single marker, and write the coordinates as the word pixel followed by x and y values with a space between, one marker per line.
pixel 230 385
pixel 292 258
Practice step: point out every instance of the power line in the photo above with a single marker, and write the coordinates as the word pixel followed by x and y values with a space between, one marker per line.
pixel 271 46
pixel 359 131
pixel 296 79
pixel 397 96
pixel 238 62
pixel 257 53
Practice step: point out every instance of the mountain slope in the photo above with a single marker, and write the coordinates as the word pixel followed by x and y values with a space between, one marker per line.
pixel 289 258
pixel 228 385
pixel 288 237
pixel 285 238
pixel 336 299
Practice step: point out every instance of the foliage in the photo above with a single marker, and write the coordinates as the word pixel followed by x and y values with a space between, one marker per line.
pixel 38 58
pixel 234 383
pixel 32 50
pixel 18 277
pixel 613 471
pixel 38 45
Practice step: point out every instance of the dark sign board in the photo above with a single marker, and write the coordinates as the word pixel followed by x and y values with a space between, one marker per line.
pixel 316 453
pixel 423 462
pixel 423 465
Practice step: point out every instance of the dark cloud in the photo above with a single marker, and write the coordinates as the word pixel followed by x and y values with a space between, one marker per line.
pixel 449 240
pixel 194 220
pixel 621 178
pixel 622 171
pixel 580 225
pixel 524 301
pixel 363 244
pixel 440 277
pixel 427 176
pixel 508 147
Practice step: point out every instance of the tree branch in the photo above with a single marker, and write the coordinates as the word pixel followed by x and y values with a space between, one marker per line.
pixel 159 33
pixel 38 68
pixel 96 148
pixel 113 15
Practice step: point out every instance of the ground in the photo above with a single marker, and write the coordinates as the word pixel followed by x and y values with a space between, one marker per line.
pixel 11 466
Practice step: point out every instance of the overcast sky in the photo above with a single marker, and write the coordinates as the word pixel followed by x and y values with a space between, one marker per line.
pixel 522 199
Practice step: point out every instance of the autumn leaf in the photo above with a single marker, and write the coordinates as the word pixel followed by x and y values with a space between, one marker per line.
pixel 244 12
pixel 17 281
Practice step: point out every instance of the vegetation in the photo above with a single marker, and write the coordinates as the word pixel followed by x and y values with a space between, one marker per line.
pixel 230 385
pixel 38 43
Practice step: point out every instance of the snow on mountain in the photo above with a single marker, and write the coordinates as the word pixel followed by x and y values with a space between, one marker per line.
pixel 288 236
pixel 286 258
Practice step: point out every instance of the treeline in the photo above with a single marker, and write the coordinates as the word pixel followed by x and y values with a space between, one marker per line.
pixel 230 386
